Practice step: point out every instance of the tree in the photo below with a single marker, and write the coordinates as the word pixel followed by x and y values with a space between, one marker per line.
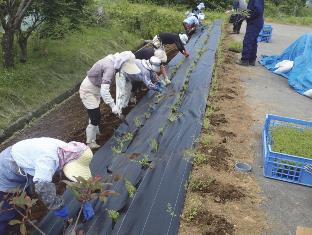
pixel 12 13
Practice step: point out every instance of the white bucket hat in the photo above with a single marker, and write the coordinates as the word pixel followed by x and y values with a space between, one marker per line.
pixel 161 54
pixel 79 167
pixel 130 67
pixel 152 64
pixel 201 16
pixel 201 6
pixel 184 38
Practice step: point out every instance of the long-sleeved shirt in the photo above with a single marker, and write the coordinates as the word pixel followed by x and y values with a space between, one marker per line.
pixel 170 38
pixel 104 70
pixel 256 11
pixel 192 20
pixel 38 157
pixel 146 76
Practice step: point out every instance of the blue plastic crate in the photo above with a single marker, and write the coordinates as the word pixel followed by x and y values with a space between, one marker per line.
pixel 266 34
pixel 283 166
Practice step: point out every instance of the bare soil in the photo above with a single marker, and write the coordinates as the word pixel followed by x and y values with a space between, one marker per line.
pixel 219 199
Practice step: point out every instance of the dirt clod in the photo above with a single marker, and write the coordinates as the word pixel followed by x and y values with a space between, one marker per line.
pixel 214 224
pixel 217 119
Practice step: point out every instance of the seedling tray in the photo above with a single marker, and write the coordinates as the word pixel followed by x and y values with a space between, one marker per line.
pixel 281 166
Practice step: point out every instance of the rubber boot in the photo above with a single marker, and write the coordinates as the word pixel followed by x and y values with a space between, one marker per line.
pixel 252 62
pixel 97 130
pixel 91 132
pixel 243 62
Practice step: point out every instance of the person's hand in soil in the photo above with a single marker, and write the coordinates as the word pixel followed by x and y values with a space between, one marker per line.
pixel 88 211
pixel 61 212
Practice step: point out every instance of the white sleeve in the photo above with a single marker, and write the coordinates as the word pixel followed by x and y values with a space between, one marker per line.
pixel 106 95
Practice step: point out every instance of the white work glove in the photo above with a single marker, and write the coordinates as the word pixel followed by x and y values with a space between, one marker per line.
pixel 106 96
pixel 116 110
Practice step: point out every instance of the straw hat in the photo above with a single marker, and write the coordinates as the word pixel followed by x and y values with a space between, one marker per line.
pixel 79 167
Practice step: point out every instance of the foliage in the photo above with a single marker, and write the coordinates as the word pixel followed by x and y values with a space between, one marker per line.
pixel 170 210
pixel 210 4
pixel 292 141
pixel 236 47
pixel 154 145
pixel 145 20
pixel 23 204
pixel 87 190
pixel 127 137
pixel 145 162
pixel 137 122
pixel 130 188
pixel 114 215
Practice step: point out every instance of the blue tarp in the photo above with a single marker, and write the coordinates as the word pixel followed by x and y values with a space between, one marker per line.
pixel 300 77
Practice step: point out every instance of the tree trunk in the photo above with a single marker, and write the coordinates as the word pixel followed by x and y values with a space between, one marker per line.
pixel 22 42
pixel 7 48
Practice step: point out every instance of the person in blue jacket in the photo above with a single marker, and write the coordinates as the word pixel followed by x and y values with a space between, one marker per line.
pixel 255 23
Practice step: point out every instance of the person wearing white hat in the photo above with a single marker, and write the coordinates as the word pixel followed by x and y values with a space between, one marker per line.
pixel 146 53
pixel 190 24
pixel 199 8
pixel 164 38
pixel 96 85
pixel 33 162
pixel 136 71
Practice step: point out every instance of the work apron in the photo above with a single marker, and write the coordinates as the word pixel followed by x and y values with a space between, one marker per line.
pixel 90 94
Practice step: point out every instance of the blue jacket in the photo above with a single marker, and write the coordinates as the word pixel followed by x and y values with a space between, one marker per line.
pixel 256 11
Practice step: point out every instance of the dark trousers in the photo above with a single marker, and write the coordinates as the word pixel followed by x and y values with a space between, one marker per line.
pixel 95 116
pixel 6 214
pixel 250 43
pixel 237 24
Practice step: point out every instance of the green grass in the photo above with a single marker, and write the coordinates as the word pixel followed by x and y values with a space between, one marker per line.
pixel 236 46
pixel 305 20
pixel 292 141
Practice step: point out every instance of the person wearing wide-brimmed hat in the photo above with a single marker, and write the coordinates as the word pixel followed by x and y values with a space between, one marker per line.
pixel 31 163
pixel 144 71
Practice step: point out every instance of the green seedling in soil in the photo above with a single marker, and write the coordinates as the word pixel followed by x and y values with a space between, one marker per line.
pixel 114 215
pixel 293 141
pixel 147 115
pixel 130 188
pixel 22 204
pixel 159 98
pixel 191 209
pixel 173 116
pixel 154 145
pixel 170 210
pixel 121 141
pixel 145 162
pixel 87 190
pixel 161 131
pixel 236 47
pixel 137 122
pixel 196 157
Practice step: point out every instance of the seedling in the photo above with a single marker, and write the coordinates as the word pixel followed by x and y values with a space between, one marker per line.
pixel 87 190
pixel 137 122
pixel 130 188
pixel 147 115
pixel 145 162
pixel 121 141
pixel 23 205
pixel 154 145
pixel 170 210
pixel 114 215
pixel 161 131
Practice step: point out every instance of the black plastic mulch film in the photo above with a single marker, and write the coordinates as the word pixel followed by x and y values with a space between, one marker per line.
pixel 162 127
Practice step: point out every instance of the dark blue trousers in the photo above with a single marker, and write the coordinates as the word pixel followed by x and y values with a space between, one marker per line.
pixel 250 44
pixel 6 214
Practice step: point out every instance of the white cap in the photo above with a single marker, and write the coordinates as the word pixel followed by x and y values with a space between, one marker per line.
pixel 184 38
pixel 152 64
pixel 161 54
pixel 201 6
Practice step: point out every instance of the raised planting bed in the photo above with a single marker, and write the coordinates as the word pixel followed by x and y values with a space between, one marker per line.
pixel 287 149
pixel 147 155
